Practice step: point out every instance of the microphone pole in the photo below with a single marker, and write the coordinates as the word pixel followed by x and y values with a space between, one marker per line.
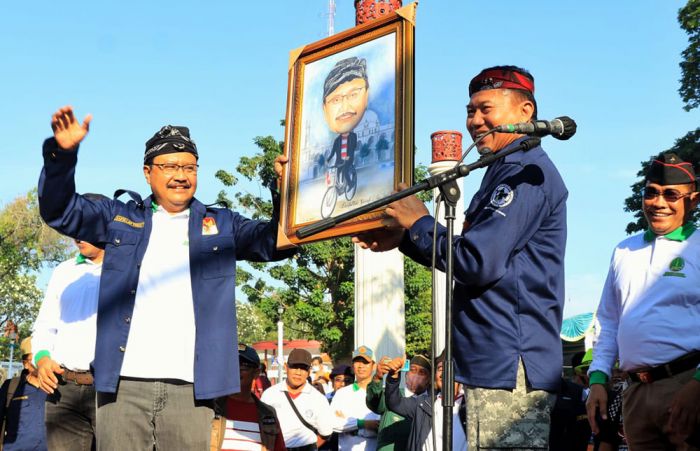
pixel 435 181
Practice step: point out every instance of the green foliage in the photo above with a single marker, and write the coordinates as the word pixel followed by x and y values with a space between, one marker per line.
pixel 316 287
pixel 26 245
pixel 419 318
pixel 253 326
pixel 687 148
pixel 689 19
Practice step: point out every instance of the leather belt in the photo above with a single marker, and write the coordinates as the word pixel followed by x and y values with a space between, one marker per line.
pixel 680 365
pixel 78 377
pixel 310 447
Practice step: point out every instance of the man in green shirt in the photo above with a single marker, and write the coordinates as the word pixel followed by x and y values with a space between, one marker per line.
pixel 393 428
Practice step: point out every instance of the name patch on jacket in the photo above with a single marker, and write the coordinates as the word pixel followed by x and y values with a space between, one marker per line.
pixel 127 221
pixel 209 226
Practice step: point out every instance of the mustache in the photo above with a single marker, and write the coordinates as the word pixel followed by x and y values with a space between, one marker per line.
pixel 352 112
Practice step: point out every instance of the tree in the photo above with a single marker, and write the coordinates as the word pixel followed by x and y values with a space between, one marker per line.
pixel 689 19
pixel 316 287
pixel 687 147
pixel 26 245
pixel 382 147
pixel 253 326
pixel 317 284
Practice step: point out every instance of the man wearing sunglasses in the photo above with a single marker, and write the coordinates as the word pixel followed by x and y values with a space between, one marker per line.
pixel 166 317
pixel 649 314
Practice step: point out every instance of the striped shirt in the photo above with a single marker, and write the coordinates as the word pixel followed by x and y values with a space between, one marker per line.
pixel 242 428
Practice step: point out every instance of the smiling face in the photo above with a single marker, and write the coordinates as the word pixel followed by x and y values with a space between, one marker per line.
pixel 173 192
pixel 492 107
pixel 664 216
pixel 363 369
pixel 344 107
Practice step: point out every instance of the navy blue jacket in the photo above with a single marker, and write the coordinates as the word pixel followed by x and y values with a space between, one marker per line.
pixel 509 273
pixel 24 428
pixel 418 409
pixel 124 230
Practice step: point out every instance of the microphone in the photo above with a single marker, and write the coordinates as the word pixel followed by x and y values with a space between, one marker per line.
pixel 561 128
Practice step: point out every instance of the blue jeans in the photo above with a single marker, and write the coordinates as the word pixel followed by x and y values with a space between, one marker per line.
pixel 147 415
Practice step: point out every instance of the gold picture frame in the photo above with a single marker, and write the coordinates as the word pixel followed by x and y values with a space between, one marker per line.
pixel 349 132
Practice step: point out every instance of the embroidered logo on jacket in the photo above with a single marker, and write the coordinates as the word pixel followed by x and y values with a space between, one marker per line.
pixel 502 196
pixel 676 266
pixel 209 226
pixel 127 221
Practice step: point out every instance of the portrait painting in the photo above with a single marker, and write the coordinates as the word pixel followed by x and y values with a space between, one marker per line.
pixel 349 131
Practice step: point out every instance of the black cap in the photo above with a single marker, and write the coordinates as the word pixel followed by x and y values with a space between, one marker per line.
pixel 421 361
pixel 170 139
pixel 669 169
pixel 248 354
pixel 344 71
pixel 342 370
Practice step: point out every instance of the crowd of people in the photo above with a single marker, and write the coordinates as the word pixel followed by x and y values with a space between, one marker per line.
pixel 134 346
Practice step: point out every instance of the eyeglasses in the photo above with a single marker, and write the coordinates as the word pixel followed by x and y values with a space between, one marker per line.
pixel 172 169
pixel 669 195
pixel 352 96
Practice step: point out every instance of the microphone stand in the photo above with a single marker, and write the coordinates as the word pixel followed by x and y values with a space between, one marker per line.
pixel 446 183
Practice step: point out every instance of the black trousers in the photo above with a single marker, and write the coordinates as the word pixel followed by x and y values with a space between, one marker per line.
pixel 70 418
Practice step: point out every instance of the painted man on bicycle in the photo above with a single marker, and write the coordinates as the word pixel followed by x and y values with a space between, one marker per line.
pixel 345 95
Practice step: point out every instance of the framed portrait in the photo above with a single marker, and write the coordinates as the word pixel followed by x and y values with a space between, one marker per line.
pixel 349 125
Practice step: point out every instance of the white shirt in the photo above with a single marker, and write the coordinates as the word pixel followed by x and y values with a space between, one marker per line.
pixel 350 404
pixel 310 403
pixel 67 321
pixel 459 438
pixel 649 311
pixel 162 334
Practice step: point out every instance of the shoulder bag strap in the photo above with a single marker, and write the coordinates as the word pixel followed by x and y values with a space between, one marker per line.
pixel 303 421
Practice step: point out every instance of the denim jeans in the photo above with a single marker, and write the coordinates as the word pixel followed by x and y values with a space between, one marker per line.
pixel 147 415
pixel 70 418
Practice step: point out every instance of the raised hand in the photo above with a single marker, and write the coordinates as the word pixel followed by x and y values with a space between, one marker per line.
pixel 280 162
pixel 382 368
pixel 67 130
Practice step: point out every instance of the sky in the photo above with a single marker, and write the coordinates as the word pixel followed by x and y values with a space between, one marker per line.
pixel 220 67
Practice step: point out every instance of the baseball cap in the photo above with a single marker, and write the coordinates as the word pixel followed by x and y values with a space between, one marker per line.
pixel 299 357
pixel 342 370
pixel 364 353
pixel 248 354
pixel 25 346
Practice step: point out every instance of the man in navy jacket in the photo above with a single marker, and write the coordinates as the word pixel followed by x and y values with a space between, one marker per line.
pixel 166 322
pixel 508 274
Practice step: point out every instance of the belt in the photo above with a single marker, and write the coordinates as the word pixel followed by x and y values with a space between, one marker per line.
pixel 680 365
pixel 78 377
pixel 310 447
